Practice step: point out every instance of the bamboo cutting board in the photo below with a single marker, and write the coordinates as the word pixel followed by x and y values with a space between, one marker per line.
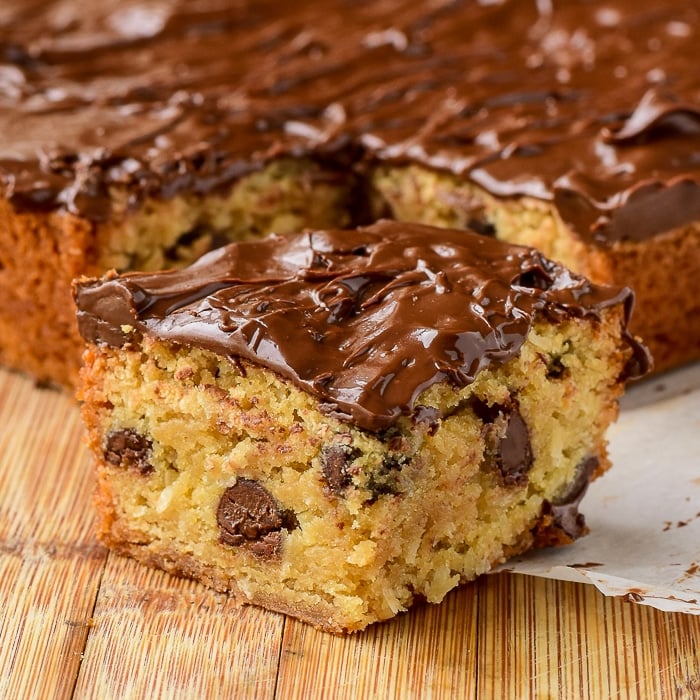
pixel 77 622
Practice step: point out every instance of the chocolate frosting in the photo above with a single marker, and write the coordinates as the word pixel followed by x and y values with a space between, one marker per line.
pixel 364 320
pixel 593 105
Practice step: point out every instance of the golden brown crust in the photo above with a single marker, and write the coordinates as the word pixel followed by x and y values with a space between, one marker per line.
pixel 322 617
pixel 664 273
pixel 40 254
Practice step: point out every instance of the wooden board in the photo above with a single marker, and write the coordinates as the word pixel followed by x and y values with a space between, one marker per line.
pixel 79 622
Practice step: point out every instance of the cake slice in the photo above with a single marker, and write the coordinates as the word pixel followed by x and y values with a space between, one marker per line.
pixel 337 424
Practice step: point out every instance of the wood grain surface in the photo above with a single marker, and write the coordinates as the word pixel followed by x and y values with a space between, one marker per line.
pixel 78 622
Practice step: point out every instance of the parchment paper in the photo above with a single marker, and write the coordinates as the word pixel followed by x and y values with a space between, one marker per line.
pixel 644 513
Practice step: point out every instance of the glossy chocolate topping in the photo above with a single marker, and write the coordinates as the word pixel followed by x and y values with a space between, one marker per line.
pixel 594 105
pixel 365 320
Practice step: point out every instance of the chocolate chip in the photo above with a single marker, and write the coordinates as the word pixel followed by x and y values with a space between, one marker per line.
pixel 248 515
pixel 555 367
pixel 178 251
pixel 507 438
pixel 514 453
pixel 486 413
pixel 561 522
pixel 385 480
pixel 335 466
pixel 577 489
pixel 564 524
pixel 482 226
pixel 130 450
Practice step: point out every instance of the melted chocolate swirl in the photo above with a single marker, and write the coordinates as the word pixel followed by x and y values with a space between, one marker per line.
pixel 365 320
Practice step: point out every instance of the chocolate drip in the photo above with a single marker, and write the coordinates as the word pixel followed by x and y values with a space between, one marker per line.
pixel 597 100
pixel 561 521
pixel 365 320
